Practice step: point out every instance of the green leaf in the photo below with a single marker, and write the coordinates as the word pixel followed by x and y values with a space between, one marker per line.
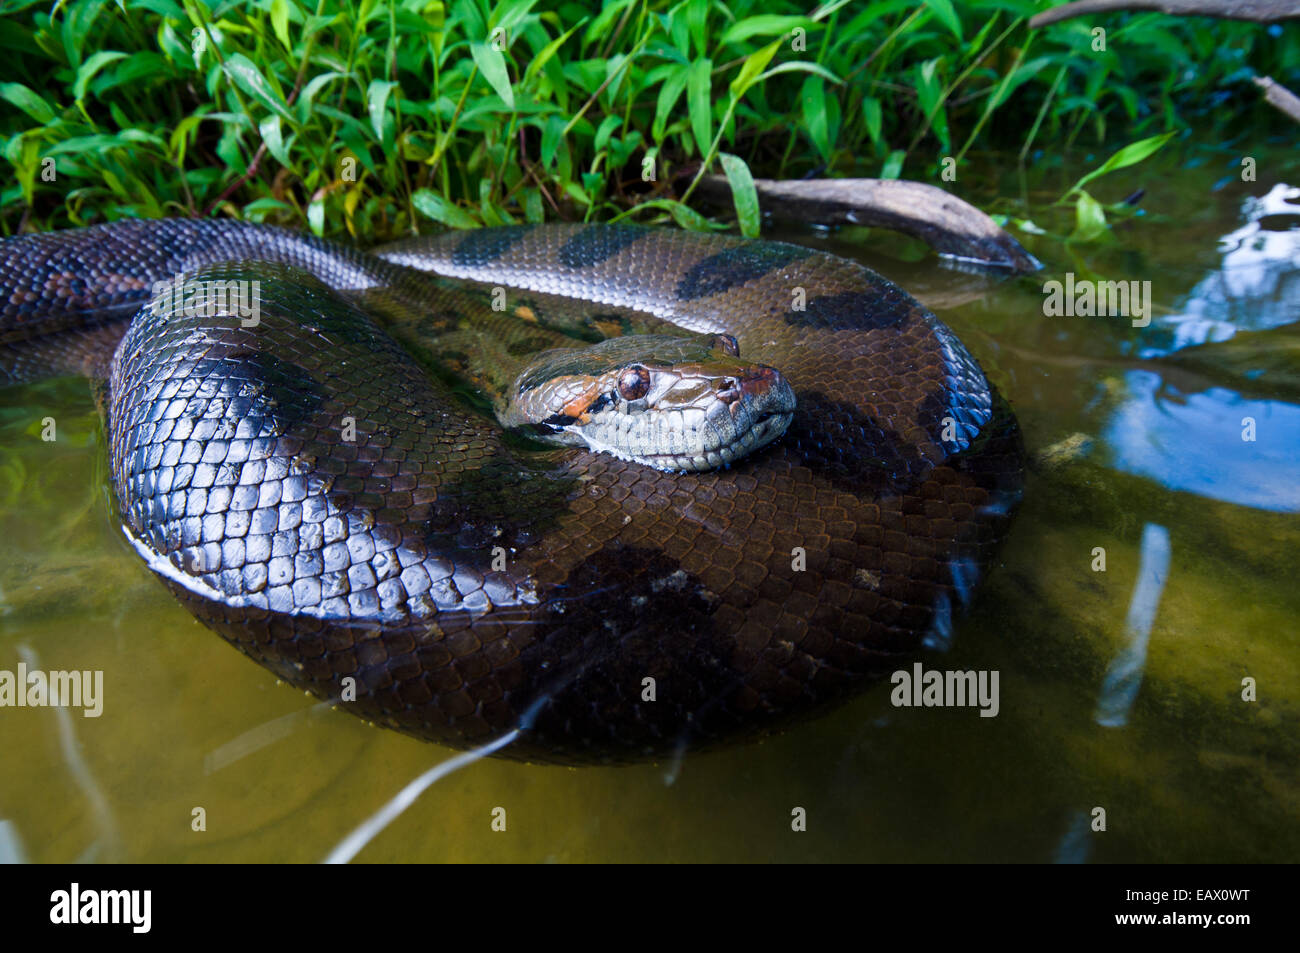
pixel 552 134
pixel 813 99
pixel 492 213
pixel 544 57
pixel 946 15
pixel 493 67
pixel 826 9
pixel 801 67
pixel 244 74
pixel 274 139
pixel 78 20
pixel 893 165
pixel 669 93
pixel 1089 219
pixel 697 21
pixel 753 66
pixel 280 22
pixel 534 214
pixel 940 126
pixel 700 102
pixel 27 164
pixel 316 217
pixel 115 184
pixel 1021 75
pixel 376 103
pixel 1130 155
pixel 743 194
pixel 765 24
pixel 144 66
pixel 872 116
pixel 609 13
pixel 575 191
pixel 86 72
pixel 96 144
pixel 178 142
pixel 308 95
pixel 928 88
pixel 675 25
pixel 258 209
pixel 621 149
pixel 607 127
pixel 28 101
pixel 683 215
pixel 164 8
pixel 592 184
pixel 439 209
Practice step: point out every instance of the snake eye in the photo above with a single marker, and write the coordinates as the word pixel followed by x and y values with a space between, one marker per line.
pixel 727 343
pixel 634 383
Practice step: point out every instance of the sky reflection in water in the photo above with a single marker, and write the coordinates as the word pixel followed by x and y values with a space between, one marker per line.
pixel 1194 442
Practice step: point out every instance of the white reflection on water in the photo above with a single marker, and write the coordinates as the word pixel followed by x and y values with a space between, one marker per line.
pixel 1076 845
pixel 1194 443
pixel 1256 287
pixel 369 829
pixel 75 760
pixel 1124 677
pixel 260 736
pixel 11 844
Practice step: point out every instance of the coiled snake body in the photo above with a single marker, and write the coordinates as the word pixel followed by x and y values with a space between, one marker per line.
pixel 343 508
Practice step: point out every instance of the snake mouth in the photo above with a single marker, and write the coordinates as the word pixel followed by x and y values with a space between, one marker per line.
pixel 711 425
pixel 693 407
pixel 767 428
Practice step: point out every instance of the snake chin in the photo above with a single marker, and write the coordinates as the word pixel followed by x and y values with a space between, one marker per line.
pixel 765 429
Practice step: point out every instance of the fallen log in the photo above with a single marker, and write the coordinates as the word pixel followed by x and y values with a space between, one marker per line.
pixel 1257 11
pixel 946 223
pixel 1275 94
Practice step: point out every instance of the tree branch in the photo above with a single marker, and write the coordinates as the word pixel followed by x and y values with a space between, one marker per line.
pixel 1258 11
pixel 1278 95
pixel 946 223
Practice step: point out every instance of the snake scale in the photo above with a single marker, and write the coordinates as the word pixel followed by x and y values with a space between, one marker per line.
pixel 323 489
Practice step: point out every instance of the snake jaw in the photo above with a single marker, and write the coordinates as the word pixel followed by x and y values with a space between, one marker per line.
pixel 691 420
pixel 673 403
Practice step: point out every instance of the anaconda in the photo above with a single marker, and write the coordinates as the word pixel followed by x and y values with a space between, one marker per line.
pixel 347 487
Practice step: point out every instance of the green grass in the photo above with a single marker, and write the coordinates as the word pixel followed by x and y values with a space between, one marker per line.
pixel 372 119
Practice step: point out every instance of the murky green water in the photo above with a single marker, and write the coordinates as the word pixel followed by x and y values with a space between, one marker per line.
pixel 1132 429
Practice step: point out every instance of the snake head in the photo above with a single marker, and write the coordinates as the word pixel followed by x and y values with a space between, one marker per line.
pixel 673 403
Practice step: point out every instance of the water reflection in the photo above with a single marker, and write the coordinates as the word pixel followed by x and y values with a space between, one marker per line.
pixel 1124 677
pixel 1230 443
pixel 1195 443
pixel 1256 287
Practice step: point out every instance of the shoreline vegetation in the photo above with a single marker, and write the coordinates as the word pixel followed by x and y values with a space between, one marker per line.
pixel 368 121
